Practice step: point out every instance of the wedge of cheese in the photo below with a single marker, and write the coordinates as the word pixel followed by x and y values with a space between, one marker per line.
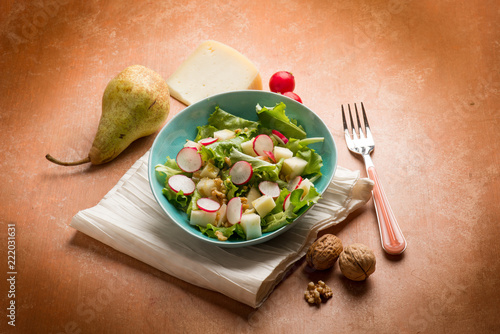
pixel 213 68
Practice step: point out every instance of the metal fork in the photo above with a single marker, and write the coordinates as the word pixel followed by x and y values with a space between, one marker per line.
pixel 361 142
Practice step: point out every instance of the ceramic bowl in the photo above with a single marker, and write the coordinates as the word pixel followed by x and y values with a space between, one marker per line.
pixel 240 103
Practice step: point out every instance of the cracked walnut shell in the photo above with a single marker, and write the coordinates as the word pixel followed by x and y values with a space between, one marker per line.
pixel 357 262
pixel 324 252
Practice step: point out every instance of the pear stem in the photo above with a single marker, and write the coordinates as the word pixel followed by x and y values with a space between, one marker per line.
pixel 62 163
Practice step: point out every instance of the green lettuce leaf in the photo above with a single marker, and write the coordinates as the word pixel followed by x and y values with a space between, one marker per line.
pixel 179 200
pixel 234 232
pixel 280 200
pixel 300 206
pixel 224 120
pixel 170 168
pixel 192 204
pixel 278 217
pixel 314 161
pixel 296 145
pixel 218 151
pixel 275 221
pixel 275 118
pixel 233 190
pixel 237 155
pixel 205 131
pixel 262 170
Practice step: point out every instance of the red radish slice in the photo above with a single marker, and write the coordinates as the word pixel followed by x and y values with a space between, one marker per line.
pixel 280 136
pixel 286 202
pixel 263 143
pixel 207 141
pixel 241 172
pixel 207 204
pixel 269 188
pixel 182 183
pixel 294 183
pixel 189 160
pixel 271 156
pixel 234 210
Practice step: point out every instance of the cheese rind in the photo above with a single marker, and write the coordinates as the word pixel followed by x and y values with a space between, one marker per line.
pixel 213 68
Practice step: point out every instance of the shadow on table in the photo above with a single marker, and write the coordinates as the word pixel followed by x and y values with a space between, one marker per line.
pixel 107 253
pixel 246 315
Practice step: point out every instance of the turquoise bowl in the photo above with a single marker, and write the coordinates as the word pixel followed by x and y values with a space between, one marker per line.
pixel 240 103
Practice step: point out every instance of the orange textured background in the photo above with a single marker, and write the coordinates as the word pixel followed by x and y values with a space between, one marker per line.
pixel 428 74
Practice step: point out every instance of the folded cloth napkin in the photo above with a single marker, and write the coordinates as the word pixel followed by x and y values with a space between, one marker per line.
pixel 130 220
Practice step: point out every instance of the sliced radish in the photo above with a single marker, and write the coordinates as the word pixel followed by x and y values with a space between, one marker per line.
pixel 271 156
pixel 293 96
pixel 207 204
pixel 207 141
pixel 263 143
pixel 182 183
pixel 281 136
pixel 234 210
pixel 241 172
pixel 189 160
pixel 286 202
pixel 294 183
pixel 269 188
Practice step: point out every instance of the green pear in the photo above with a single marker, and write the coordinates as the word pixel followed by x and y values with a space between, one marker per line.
pixel 135 104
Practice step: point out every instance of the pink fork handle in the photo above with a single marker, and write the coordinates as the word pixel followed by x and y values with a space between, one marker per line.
pixel 391 236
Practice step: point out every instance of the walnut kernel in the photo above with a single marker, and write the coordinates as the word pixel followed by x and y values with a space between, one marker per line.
pixel 315 294
pixel 324 252
pixel 357 262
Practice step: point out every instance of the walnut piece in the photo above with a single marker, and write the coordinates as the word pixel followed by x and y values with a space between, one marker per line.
pixel 220 236
pixel 357 262
pixel 315 294
pixel 324 252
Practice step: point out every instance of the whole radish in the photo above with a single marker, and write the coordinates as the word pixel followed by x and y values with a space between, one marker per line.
pixel 294 96
pixel 282 82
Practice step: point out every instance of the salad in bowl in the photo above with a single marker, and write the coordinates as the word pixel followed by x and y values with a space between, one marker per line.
pixel 240 168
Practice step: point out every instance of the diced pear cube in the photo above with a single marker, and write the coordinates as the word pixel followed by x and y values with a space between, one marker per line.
pixel 209 171
pixel 252 195
pixel 221 216
pixel 305 185
pixel 251 225
pixel 202 218
pixel 263 205
pixel 282 153
pixel 247 148
pixel 191 143
pixel 205 187
pixel 224 134
pixel 293 167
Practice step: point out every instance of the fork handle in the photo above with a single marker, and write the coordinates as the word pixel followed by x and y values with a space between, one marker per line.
pixel 393 241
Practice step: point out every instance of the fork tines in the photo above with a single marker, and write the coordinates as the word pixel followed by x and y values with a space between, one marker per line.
pixel 365 121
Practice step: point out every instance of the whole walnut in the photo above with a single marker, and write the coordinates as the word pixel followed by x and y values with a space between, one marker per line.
pixel 324 252
pixel 357 262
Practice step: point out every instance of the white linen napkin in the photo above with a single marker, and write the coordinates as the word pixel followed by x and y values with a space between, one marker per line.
pixel 130 220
